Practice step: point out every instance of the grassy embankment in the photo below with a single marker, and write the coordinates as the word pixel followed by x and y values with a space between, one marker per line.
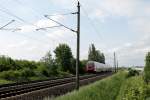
pixel 2 81
pixel 106 89
pixel 133 88
pixel 116 87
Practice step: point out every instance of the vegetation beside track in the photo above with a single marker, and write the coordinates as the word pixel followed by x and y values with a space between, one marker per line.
pixel 62 65
pixel 132 89
pixel 117 87
pixel 105 89
pixel 2 81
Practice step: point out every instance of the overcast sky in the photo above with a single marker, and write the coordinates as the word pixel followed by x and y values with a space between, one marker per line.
pixel 122 26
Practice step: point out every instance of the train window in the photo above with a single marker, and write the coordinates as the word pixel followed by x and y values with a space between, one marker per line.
pixel 90 64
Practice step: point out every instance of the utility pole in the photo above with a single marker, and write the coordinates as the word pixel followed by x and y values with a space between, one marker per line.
pixel 78 40
pixel 78 47
pixel 115 61
pixel 117 66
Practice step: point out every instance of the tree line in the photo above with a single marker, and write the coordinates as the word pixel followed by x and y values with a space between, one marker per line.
pixel 62 64
pixel 147 68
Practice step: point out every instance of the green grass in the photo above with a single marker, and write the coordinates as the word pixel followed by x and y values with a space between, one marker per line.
pixel 106 89
pixel 37 78
pixel 116 87
pixel 133 89
pixel 148 92
pixel 2 81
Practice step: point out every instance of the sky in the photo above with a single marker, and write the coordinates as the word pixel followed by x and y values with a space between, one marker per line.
pixel 121 26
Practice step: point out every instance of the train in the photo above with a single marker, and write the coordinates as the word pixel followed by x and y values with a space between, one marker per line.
pixel 96 67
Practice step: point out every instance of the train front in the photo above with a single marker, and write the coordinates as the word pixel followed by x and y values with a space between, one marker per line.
pixel 90 67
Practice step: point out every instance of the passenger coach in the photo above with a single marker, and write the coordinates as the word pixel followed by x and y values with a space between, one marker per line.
pixel 93 66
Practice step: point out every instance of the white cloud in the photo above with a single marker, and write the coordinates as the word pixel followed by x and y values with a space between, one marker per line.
pixel 109 8
pixel 140 25
pixel 20 44
pixel 120 7
pixel 147 10
pixel 45 23
pixel 99 14
pixel 56 34
pixel 66 4
pixel 129 53
pixel 61 36
pixel 27 28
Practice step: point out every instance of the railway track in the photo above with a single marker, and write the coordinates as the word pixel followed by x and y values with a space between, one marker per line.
pixel 17 89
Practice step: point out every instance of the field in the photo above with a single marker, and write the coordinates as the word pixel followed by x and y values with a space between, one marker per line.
pixel 116 87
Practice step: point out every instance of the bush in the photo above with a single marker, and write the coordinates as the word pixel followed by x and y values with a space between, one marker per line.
pixel 148 91
pixel 26 64
pixel 47 70
pixel 82 66
pixel 132 72
pixel 6 63
pixel 64 74
pixel 10 75
pixel 27 72
pixel 132 89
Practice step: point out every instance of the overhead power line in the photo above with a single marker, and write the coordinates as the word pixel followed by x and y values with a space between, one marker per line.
pixel 15 16
pixel 37 12
pixel 44 29
pixel 24 21
pixel 92 23
pixel 11 14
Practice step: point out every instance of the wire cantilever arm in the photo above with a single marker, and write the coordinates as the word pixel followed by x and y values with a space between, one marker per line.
pixel 44 28
pixel 11 29
pixel 62 14
pixel 7 24
pixel 60 24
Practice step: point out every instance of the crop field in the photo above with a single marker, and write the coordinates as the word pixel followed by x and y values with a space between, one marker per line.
pixel 116 87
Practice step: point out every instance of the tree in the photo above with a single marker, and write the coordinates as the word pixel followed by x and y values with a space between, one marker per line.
pixel 92 53
pixel 103 58
pixel 63 56
pixel 95 55
pixel 6 63
pixel 48 65
pixel 147 68
pixel 82 66
pixel 47 58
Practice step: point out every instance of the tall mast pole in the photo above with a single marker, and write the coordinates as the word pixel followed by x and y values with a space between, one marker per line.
pixel 78 47
pixel 115 61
